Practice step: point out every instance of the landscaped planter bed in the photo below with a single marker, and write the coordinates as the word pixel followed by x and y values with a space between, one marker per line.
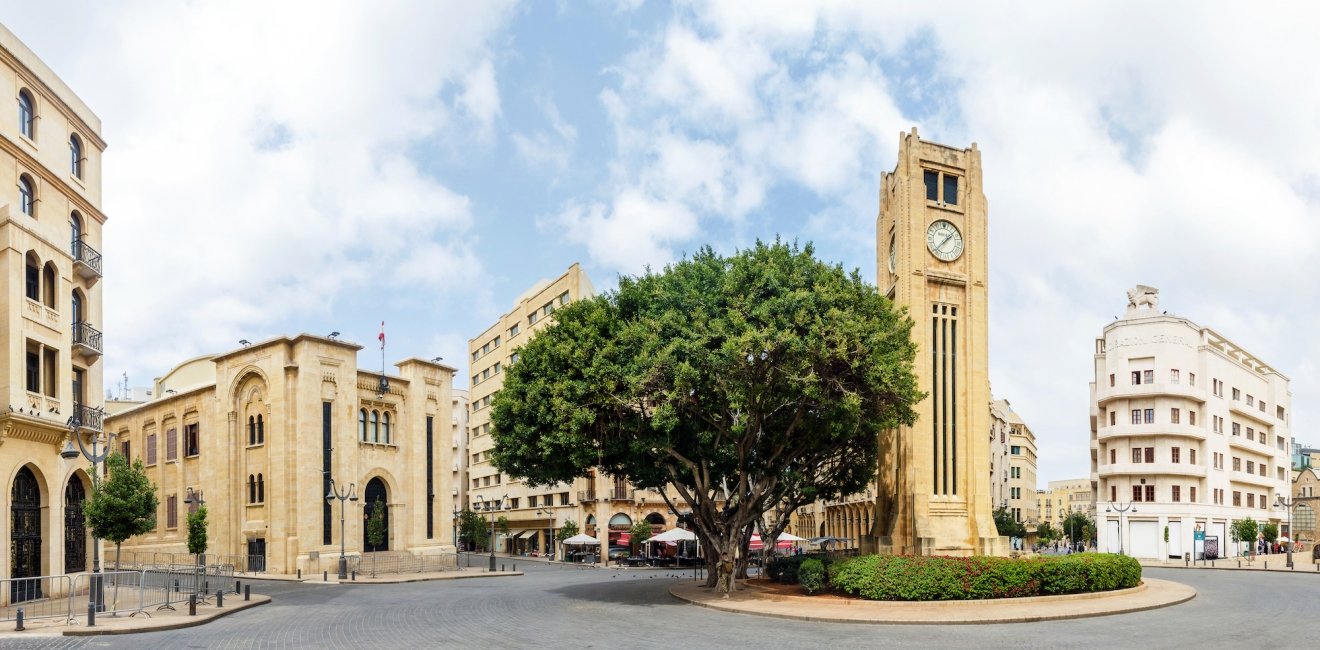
pixel 909 578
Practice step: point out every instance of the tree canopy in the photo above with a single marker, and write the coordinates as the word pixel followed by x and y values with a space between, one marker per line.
pixel 1007 525
pixel 122 505
pixel 473 529
pixel 745 383
pixel 569 529
pixel 197 542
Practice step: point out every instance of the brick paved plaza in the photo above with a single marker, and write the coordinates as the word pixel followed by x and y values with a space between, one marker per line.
pixel 552 607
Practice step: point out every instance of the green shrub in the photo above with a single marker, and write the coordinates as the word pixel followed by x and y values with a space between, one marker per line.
pixel 892 577
pixel 811 575
pixel 784 569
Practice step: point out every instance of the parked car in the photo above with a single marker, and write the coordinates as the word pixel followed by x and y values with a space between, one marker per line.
pixel 618 553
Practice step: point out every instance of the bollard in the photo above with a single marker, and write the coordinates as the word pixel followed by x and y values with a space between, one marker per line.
pixel 91 613
pixel 355 576
pixel 192 604
pixel 325 576
pixel 1267 565
pixel 515 566
pixel 206 587
pixel 238 586
pixel 247 592
pixel 220 598
pixel 300 574
pixel 19 620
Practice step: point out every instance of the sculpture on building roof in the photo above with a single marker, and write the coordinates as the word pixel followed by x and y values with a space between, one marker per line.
pixel 1143 295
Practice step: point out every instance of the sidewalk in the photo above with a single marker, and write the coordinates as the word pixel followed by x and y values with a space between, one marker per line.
pixel 398 578
pixel 151 620
pixel 1272 563
pixel 1151 594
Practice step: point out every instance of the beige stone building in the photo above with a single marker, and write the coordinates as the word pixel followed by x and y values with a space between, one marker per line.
pixel 1013 464
pixel 933 483
pixel 51 225
pixel 458 444
pixel 1188 428
pixel 259 432
pixel 1064 497
pixel 1301 526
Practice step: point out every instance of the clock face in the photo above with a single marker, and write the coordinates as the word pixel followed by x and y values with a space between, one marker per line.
pixel 944 240
pixel 893 254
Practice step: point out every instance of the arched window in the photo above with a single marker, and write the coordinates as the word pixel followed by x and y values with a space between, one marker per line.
pixel 75 156
pixel 75 227
pixel 76 307
pixel 27 196
pixel 261 489
pixel 362 425
pixel 48 285
pixel 252 430
pixel 375 426
pixel 386 418
pixel 261 431
pixel 27 114
pixel 252 489
pixel 32 284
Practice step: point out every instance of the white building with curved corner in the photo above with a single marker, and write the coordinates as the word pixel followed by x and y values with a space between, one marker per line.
pixel 1189 431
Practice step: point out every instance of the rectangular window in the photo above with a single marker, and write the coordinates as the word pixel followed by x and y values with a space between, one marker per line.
pixel 1175 455
pixel 1237 395
pixel 192 440
pixel 547 309
pixel 563 298
pixel 124 448
pixel 513 331
pixel 1111 380
pixel 1015 450
pixel 1251 467
pixel 1191 494
pixel 172 444
pixel 1237 464
pixel 1173 376
pixel 172 512
pixel 531 501
pixel 532 318
pixel 33 372
pixel 1251 401
pixel 1113 493
pixel 1113 457
pixel 1136 377
pixel 1251 434
pixel 563 496
pixel 1191 381
pixel 1262 406
pixel 1263 503
pixel 1136 416
pixel 1136 454
pixel 151 449
pixel 1191 418
pixel 1174 416
pixel 1251 501
pixel 1136 493
pixel 1113 417
pixel 1237 498
pixel 48 370
pixel 951 189
pixel 1191 456
pixel 497 341
pixel 1177 494
pixel 514 503
pixel 1263 467
pixel 1150 416
pixel 932 180
pixel 1150 454
pixel 1279 412
pixel 1148 376
pixel 1237 429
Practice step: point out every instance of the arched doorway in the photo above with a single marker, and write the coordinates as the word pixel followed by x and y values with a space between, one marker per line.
pixel 655 519
pixel 75 528
pixel 25 536
pixel 375 496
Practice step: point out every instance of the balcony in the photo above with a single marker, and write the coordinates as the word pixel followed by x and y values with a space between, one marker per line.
pixel 88 417
pixel 1243 477
pixel 86 261
pixel 586 496
pixel 1251 412
pixel 1127 430
pixel 1151 469
pixel 620 494
pixel 86 340
pixel 1107 394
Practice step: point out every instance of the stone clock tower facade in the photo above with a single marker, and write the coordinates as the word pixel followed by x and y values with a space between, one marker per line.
pixel 933 480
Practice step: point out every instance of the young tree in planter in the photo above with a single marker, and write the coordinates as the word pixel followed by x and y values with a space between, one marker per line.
pixel 742 383
pixel 1243 531
pixel 638 534
pixel 197 542
pixel 502 527
pixel 123 505
pixel 1006 525
pixel 1270 532
pixel 474 529
pixel 376 530
pixel 569 529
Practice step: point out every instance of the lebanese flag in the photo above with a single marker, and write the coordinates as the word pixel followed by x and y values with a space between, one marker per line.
pixel 382 335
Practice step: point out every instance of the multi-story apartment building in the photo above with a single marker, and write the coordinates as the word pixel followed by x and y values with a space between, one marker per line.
pixel 1063 497
pixel 1013 464
pixel 51 225
pixel 1189 431
pixel 258 433
pixel 459 444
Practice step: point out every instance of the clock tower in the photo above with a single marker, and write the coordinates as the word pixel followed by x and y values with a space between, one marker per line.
pixel 934 476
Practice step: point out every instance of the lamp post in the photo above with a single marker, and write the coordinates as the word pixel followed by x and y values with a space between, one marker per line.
pixel 1129 506
pixel 491 507
pixel 550 540
pixel 190 498
pixel 347 495
pixel 95 457
pixel 457 514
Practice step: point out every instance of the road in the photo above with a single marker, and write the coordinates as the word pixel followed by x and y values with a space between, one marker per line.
pixel 553 607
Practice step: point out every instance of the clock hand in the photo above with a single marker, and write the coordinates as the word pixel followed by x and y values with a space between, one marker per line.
pixel 944 241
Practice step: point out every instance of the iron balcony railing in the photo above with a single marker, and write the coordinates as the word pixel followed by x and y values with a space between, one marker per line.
pixel 87 255
pixel 87 417
pixel 621 494
pixel 85 334
pixel 586 496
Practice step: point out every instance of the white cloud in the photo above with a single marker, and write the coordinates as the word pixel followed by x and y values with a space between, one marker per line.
pixel 633 231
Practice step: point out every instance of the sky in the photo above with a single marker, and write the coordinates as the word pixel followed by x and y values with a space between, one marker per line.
pixel 277 168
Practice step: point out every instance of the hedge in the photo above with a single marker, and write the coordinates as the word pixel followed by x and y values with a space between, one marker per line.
pixel 895 577
pixel 811 575
pixel 784 569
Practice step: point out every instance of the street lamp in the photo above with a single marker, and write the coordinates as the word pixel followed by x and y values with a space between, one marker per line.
pixel 95 457
pixel 491 507
pixel 457 514
pixel 1120 510
pixel 347 495
pixel 1289 504
pixel 190 498
pixel 550 541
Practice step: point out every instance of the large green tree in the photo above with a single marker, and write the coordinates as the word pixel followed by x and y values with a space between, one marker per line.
pixel 1078 527
pixel 749 383
pixel 124 504
pixel 1006 525
pixel 1045 532
pixel 474 529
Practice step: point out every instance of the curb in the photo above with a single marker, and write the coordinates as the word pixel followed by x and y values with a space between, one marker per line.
pixel 465 576
pixel 189 622
pixel 1184 594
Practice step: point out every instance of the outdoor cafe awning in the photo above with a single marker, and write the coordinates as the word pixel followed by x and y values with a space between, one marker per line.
pixel 582 539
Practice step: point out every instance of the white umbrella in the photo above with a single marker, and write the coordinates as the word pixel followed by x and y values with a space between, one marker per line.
pixel 674 535
pixel 789 537
pixel 582 539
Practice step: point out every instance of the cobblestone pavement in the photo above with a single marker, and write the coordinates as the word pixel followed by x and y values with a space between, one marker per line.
pixel 551 607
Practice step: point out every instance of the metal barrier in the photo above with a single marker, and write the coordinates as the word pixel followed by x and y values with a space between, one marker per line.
pixel 40 597
pixel 121 591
